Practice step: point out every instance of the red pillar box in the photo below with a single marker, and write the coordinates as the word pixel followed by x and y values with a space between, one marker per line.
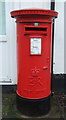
pixel 34 51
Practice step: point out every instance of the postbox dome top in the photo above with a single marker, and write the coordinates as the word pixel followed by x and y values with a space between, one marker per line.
pixel 21 12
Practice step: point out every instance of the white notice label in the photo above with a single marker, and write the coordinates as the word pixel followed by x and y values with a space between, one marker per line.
pixel 35 46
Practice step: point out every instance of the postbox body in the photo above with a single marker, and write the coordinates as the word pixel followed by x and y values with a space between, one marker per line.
pixel 34 60
pixel 34 52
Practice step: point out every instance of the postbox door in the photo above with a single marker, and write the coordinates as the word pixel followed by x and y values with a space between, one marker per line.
pixel 35 63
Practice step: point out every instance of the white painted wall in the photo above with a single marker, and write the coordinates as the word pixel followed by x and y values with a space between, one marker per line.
pixel 65 37
pixel 8 69
pixel 59 39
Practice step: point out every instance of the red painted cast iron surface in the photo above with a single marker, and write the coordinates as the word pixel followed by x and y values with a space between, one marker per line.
pixel 34 70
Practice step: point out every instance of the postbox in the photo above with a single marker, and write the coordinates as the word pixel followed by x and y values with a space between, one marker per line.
pixel 34 53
